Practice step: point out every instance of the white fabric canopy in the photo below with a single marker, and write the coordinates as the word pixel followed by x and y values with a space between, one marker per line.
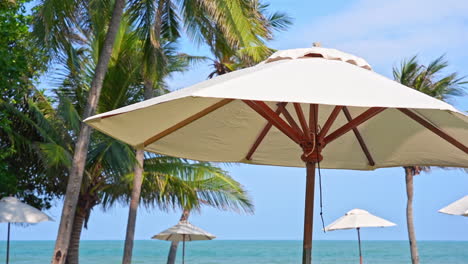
pixel 358 218
pixel 459 207
pixel 184 231
pixel 210 122
pixel 13 210
pixel 329 54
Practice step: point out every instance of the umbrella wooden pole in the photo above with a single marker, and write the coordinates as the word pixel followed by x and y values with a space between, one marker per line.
pixel 359 242
pixel 8 245
pixel 308 213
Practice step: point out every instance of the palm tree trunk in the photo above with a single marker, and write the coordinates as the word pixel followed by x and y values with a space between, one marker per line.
pixel 173 249
pixel 409 215
pixel 74 247
pixel 81 148
pixel 135 200
pixel 136 191
pixel 138 176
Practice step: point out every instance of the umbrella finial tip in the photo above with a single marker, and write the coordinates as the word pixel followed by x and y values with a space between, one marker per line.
pixel 317 44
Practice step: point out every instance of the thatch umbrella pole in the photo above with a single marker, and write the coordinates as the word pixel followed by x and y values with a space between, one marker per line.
pixel 183 249
pixel 8 245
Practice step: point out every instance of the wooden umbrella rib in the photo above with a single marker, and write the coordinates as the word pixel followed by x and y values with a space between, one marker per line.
pixel 368 114
pixel 265 111
pixel 434 129
pixel 111 115
pixel 290 119
pixel 187 121
pixel 359 138
pixel 302 121
pixel 263 134
pixel 313 118
pixel 329 122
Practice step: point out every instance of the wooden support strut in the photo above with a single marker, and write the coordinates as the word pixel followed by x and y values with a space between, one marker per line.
pixel 187 121
pixel 368 114
pixel 434 129
pixel 300 116
pixel 359 138
pixel 263 133
pixel 329 122
pixel 290 119
pixel 265 111
pixel 313 118
pixel 312 148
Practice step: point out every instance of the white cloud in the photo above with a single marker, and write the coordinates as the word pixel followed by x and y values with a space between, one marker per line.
pixel 384 32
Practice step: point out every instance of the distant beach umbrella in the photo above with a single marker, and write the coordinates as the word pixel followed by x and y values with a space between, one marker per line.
pixel 302 108
pixel 13 210
pixel 184 231
pixel 459 207
pixel 356 219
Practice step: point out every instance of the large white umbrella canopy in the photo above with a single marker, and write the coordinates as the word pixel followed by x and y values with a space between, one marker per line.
pixel 297 108
pixel 459 207
pixel 184 231
pixel 13 210
pixel 356 219
pixel 227 128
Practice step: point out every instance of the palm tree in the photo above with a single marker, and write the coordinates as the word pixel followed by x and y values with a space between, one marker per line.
pixel 61 22
pixel 46 16
pixel 230 58
pixel 432 81
pixel 238 23
pixel 168 182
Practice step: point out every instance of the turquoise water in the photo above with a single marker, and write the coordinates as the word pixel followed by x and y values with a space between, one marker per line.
pixel 247 251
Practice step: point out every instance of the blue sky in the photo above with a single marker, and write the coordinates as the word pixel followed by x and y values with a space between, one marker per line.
pixel 382 32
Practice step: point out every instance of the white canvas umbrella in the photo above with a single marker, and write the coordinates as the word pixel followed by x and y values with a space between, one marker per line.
pixel 459 207
pixel 13 210
pixel 355 219
pixel 297 108
pixel 184 231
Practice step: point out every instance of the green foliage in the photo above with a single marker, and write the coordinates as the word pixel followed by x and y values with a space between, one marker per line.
pixel 21 63
pixel 430 79
pixel 27 172
pixel 174 183
pixel 263 24
pixel 168 182
pixel 38 133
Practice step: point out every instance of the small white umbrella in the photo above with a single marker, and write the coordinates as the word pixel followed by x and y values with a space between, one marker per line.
pixel 184 231
pixel 459 207
pixel 14 211
pixel 355 219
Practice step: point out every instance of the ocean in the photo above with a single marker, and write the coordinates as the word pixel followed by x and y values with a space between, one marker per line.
pixel 246 251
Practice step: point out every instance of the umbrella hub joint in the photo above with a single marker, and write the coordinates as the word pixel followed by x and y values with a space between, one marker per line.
pixel 312 158
pixel 312 150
